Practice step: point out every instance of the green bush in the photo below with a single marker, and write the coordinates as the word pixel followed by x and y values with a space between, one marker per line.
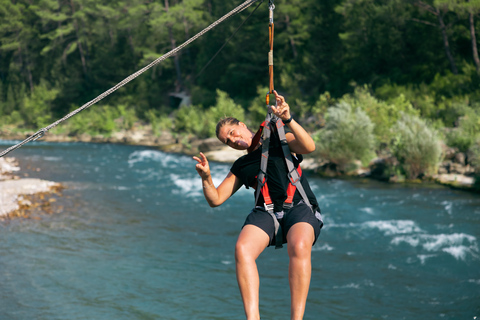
pixel 34 110
pixel 347 136
pixel 383 115
pixel 100 120
pixel 158 121
pixel 225 107
pixel 191 120
pixel 468 130
pixel 416 146
pixel 474 155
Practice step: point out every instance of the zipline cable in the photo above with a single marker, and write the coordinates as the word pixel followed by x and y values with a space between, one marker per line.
pixel 233 34
pixel 40 133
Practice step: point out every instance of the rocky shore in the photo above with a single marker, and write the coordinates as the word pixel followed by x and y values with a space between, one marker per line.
pixel 18 194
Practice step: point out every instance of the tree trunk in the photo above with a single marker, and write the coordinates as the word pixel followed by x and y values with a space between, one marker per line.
pixel 446 44
pixel 24 65
pixel 474 41
pixel 291 40
pixel 179 82
pixel 79 43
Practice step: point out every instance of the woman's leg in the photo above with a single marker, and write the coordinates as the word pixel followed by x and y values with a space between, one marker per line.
pixel 300 239
pixel 251 242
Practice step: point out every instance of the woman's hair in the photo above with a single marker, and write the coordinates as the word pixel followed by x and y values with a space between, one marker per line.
pixel 226 121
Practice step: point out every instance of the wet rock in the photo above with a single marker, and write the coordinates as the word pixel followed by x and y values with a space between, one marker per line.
pixel 455 180
pixel 226 154
pixel 382 168
pixel 456 168
pixel 459 158
pixel 210 144
pixel 449 152
pixel 11 190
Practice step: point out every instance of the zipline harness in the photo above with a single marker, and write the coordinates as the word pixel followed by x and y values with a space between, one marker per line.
pixel 40 133
pixel 273 122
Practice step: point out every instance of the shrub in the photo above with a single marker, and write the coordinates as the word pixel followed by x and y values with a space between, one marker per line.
pixel 474 159
pixel 202 123
pixel 101 120
pixel 158 121
pixel 347 136
pixel 35 110
pixel 384 115
pixel 191 119
pixel 225 107
pixel 467 132
pixel 416 146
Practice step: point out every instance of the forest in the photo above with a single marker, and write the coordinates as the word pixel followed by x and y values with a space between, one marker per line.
pixel 365 77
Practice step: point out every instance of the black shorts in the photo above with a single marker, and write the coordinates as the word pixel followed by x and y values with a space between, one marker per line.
pixel 299 213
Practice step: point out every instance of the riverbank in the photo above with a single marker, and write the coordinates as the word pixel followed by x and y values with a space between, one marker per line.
pixel 19 195
pixel 454 171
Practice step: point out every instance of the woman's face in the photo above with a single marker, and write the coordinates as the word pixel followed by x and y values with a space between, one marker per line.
pixel 236 136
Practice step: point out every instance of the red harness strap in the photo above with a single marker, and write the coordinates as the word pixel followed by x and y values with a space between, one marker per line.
pixel 256 138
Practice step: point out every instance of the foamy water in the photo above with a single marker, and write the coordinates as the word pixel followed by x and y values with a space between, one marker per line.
pixel 137 240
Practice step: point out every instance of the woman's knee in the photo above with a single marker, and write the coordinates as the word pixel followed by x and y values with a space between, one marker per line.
pixel 300 240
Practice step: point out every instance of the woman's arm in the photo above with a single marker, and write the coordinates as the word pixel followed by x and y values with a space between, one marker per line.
pixel 299 141
pixel 215 196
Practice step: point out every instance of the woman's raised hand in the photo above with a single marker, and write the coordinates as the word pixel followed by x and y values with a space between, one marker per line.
pixel 202 166
pixel 282 110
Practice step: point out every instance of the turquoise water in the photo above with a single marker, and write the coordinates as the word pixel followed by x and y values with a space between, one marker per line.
pixel 136 240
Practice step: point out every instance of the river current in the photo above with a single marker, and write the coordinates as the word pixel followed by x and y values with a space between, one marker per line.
pixel 136 240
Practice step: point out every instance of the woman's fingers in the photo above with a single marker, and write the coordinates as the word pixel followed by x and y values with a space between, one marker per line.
pixel 203 161
pixel 280 99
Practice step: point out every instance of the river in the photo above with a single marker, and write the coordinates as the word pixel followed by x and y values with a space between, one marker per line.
pixel 136 240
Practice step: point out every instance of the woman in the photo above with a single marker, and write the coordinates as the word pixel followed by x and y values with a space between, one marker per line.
pixel 300 225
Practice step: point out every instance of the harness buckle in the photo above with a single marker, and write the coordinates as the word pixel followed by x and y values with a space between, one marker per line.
pixel 287 206
pixel 268 207
pixel 293 180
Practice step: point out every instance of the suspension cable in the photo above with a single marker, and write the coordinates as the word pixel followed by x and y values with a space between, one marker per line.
pixel 40 133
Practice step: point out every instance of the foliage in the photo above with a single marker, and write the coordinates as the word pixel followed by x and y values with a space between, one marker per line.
pixel 381 57
pixel 191 119
pixel 416 146
pixel 258 108
pixel 103 120
pixel 468 130
pixel 383 115
pixel 474 159
pixel 225 107
pixel 158 121
pixel 202 123
pixel 347 136
pixel 474 155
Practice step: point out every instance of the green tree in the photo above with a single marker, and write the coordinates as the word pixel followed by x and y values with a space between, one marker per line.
pixel 468 8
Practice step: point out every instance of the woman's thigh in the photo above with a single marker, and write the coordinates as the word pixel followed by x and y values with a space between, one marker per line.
pixel 251 241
